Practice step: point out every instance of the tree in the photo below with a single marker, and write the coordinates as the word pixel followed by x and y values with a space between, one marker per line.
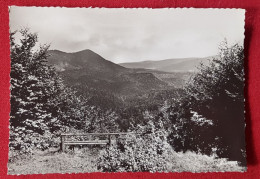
pixel 216 92
pixel 40 103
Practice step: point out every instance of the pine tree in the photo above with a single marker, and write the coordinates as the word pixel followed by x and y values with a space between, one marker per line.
pixel 40 103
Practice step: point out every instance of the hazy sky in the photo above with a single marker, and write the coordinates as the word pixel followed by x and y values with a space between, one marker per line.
pixel 123 35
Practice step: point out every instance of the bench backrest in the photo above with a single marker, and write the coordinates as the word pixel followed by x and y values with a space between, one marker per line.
pixel 76 139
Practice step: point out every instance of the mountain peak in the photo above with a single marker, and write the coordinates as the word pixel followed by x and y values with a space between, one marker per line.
pixel 84 59
pixel 85 51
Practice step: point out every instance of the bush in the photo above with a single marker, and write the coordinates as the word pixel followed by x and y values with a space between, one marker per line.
pixel 146 150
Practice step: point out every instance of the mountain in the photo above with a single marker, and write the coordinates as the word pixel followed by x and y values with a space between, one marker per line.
pixel 171 65
pixel 86 59
pixel 104 82
pixel 87 66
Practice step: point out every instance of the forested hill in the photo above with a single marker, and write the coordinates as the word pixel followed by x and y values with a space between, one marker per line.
pixel 107 83
pixel 86 63
pixel 87 67
pixel 85 59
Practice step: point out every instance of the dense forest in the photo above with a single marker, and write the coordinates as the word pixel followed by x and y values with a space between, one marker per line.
pixel 205 116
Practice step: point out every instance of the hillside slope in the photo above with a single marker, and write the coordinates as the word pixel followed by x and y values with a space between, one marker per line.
pixel 85 59
pixel 105 82
pixel 90 68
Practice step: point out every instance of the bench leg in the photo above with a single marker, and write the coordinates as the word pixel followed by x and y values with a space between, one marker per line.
pixel 109 139
pixel 62 144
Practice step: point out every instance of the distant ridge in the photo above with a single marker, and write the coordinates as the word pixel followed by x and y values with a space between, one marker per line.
pixel 171 65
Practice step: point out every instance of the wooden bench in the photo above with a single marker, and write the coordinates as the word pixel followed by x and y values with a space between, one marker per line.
pixel 101 139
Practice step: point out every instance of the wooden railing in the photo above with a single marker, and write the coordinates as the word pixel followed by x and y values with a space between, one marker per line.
pixel 88 139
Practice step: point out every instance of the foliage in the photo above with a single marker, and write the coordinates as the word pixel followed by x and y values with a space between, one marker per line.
pixel 215 96
pixel 147 150
pixel 33 87
pixel 41 106
pixel 98 120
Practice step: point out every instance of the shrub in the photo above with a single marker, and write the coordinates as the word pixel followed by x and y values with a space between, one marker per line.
pixel 146 150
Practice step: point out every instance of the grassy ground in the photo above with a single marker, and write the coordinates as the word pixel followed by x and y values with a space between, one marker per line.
pixel 53 161
pixel 85 160
pixel 192 162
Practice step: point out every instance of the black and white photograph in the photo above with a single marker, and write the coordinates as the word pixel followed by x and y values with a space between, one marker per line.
pixel 126 90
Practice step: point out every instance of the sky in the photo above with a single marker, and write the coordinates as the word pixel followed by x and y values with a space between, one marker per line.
pixel 132 35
